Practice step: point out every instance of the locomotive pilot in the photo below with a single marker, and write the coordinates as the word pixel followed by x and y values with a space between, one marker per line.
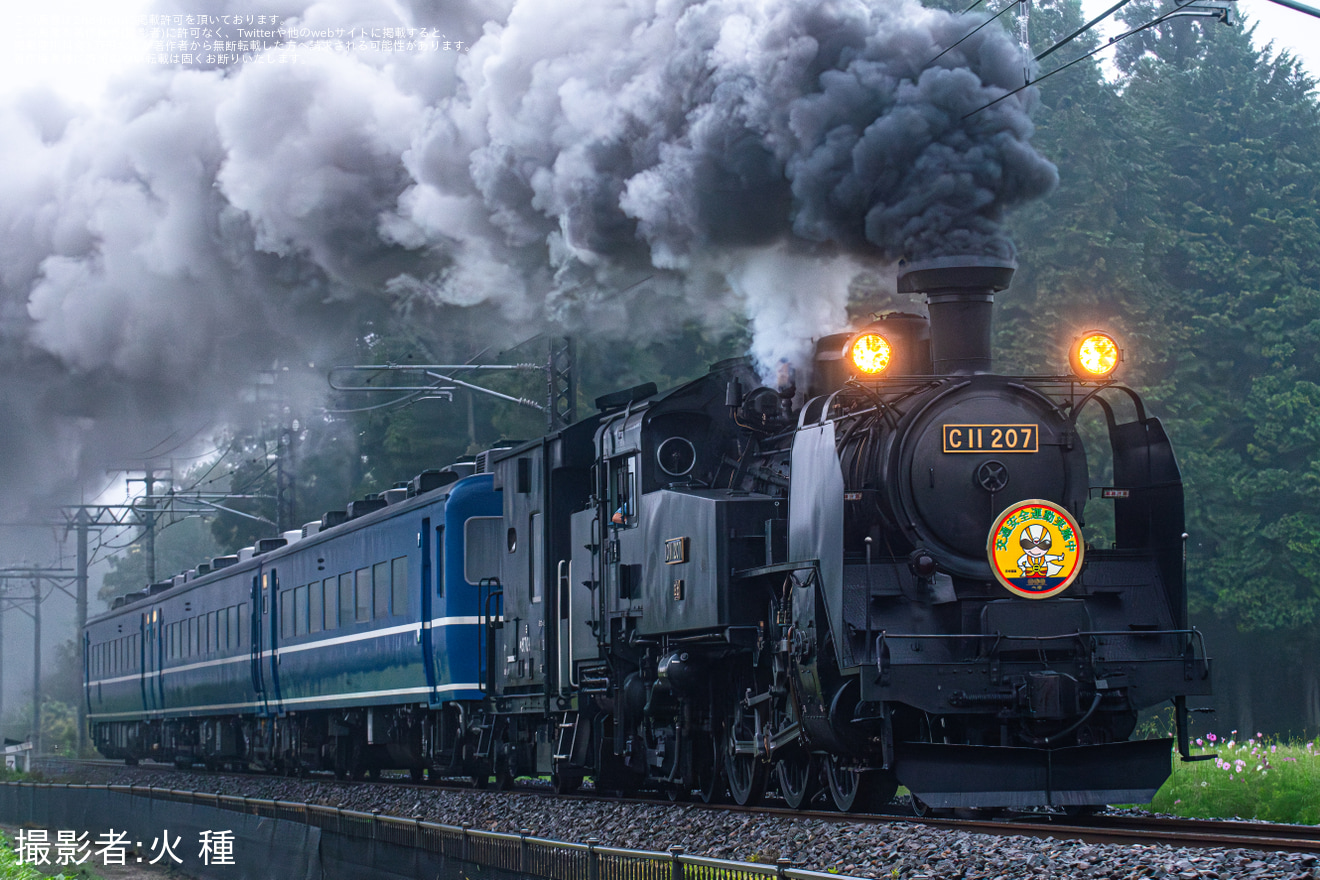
pixel 1035 560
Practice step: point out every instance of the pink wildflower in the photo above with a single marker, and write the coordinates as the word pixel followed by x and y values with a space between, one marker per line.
pixel 1212 738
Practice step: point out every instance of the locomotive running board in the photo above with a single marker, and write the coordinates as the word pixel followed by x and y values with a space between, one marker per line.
pixel 945 775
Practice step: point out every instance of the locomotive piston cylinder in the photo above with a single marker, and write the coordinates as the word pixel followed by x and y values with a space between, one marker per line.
pixel 679 672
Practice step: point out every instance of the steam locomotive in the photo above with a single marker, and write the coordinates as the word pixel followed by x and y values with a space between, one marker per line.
pixel 720 590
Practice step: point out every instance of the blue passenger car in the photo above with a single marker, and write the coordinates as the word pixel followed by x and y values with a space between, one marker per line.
pixel 353 648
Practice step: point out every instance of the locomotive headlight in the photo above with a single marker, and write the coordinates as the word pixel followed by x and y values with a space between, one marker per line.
pixel 871 353
pixel 1095 355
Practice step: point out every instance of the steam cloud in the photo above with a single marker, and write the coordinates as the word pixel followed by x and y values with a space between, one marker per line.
pixel 606 166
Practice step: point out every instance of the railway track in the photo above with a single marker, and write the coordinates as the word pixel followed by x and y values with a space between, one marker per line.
pixel 1102 828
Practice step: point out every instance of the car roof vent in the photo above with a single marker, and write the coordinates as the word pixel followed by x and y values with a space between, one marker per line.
pixel 365 506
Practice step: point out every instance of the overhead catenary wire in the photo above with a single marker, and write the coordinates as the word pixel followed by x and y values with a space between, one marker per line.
pixel 198 482
pixel 157 452
pixel 973 31
pixel 1084 28
pixel 405 400
pixel 1299 7
pixel 1160 19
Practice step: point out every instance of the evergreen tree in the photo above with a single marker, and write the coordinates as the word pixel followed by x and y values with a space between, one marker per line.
pixel 1233 137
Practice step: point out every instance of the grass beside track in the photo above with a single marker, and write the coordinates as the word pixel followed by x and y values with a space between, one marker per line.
pixel 1253 778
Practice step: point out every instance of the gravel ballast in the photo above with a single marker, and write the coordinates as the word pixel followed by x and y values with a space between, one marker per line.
pixel 891 850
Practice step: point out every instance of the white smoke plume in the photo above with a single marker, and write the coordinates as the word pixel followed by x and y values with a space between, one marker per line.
pixel 606 166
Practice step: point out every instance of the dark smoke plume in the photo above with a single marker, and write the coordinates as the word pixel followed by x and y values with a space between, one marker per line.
pixel 605 166
pixel 726 150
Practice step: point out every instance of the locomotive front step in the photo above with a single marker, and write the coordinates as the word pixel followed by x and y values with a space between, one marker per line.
pixel 946 775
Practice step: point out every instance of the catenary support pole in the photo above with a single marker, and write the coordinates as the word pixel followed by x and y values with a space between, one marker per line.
pixel 36 666
pixel 80 576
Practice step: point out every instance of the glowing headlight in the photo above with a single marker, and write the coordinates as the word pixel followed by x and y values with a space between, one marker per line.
pixel 871 353
pixel 1095 355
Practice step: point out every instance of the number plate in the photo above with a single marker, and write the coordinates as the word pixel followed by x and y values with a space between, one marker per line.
pixel 991 438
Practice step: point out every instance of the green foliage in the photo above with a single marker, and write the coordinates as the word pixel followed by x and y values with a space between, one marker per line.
pixel 1236 139
pixel 1185 222
pixel 61 680
pixel 10 869
pixel 1257 778
pixel 59 724
pixel 180 545
pixel 61 688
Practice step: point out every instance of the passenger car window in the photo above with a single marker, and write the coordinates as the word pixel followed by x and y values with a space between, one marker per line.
pixel 286 614
pixel 331 590
pixel 314 612
pixel 380 589
pixel 363 589
pixel 345 598
pixel 399 585
pixel 483 539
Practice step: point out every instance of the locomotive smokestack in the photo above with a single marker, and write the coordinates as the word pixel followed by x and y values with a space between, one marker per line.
pixel 960 293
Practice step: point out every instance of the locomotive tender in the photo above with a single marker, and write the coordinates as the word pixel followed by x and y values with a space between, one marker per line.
pixel 715 590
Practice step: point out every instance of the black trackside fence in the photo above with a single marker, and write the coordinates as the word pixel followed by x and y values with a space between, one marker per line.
pixel 295 840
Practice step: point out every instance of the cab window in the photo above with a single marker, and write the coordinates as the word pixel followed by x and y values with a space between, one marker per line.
pixel 623 492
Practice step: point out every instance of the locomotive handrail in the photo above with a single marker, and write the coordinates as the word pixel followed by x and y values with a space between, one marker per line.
pixel 1079 405
pixel 564 583
pixel 489 623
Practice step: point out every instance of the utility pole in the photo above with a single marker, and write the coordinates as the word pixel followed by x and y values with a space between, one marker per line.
pixel 285 476
pixel 561 384
pixel 3 590
pixel 147 514
pixel 81 522
pixel 36 666
pixel 81 519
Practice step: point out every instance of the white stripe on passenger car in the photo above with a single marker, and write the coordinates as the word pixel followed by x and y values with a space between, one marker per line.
pixel 292 649
pixel 362 695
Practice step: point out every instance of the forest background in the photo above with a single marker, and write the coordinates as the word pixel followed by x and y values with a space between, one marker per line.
pixel 1185 221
